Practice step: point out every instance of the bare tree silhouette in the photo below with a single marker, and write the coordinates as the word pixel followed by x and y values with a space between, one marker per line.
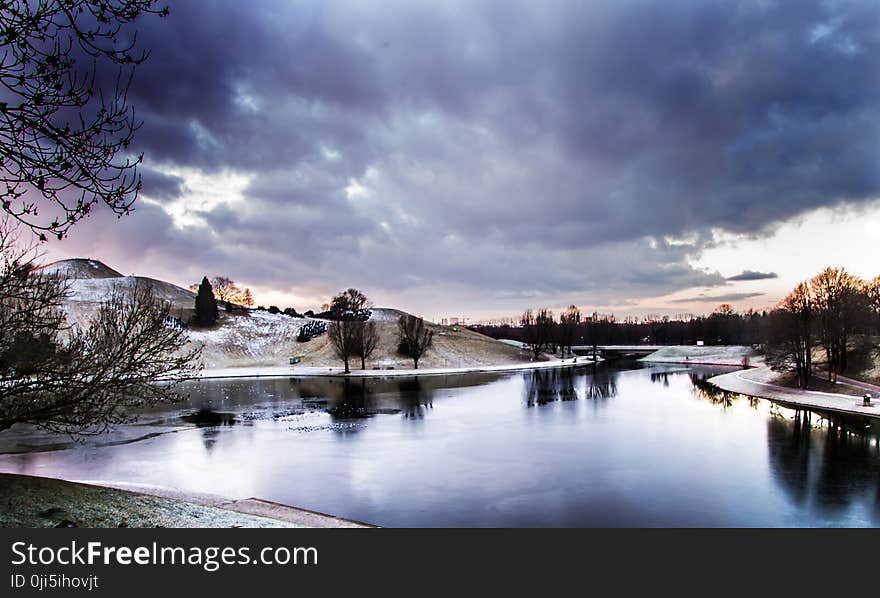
pixel 65 132
pixel 81 380
pixel 414 337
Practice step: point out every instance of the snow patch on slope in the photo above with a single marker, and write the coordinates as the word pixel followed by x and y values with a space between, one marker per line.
pixel 79 268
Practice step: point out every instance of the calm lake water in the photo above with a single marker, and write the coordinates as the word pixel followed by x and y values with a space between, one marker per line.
pixel 585 447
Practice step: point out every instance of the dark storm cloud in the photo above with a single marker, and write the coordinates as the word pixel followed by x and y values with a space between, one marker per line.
pixel 161 186
pixel 507 146
pixel 727 297
pixel 753 275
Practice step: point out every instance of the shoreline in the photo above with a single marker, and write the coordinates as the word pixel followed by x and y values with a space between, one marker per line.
pixel 744 382
pixel 280 371
pixel 56 502
pixel 339 372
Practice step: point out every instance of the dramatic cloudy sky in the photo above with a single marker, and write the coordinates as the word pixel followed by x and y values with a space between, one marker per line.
pixel 476 158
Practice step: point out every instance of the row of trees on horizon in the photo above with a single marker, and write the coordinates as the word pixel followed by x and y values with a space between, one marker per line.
pixel 835 312
pixel 542 331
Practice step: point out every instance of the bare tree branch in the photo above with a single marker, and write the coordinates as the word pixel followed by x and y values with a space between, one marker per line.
pixel 64 132
pixel 414 337
pixel 81 380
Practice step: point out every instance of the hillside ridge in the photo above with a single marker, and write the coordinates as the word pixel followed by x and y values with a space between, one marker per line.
pixel 259 338
pixel 79 268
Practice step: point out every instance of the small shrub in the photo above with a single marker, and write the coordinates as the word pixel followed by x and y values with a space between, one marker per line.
pixel 311 330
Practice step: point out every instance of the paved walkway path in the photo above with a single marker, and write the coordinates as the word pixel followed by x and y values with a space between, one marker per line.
pixel 873 389
pixel 748 382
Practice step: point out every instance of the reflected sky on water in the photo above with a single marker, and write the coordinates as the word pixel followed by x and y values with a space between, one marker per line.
pixel 592 446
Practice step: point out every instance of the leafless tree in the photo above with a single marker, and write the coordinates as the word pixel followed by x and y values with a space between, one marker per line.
pixel 414 337
pixel 872 296
pixel 64 131
pixel 537 330
pixel 349 310
pixel 342 338
pixel 226 290
pixel 366 339
pixel 350 305
pixel 836 300
pixel 81 380
pixel 872 289
pixel 725 309
pixel 791 334
pixel 568 327
pixel 529 333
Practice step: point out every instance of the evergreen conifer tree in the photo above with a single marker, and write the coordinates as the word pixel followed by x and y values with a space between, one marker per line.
pixel 206 304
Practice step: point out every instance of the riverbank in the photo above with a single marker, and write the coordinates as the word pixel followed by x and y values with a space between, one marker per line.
pixel 759 382
pixel 299 371
pixel 29 501
pixel 733 355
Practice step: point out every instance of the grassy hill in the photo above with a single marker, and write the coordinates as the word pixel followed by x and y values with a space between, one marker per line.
pixel 263 339
pixel 257 338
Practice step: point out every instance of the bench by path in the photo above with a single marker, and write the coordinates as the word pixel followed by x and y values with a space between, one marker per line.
pixel 743 382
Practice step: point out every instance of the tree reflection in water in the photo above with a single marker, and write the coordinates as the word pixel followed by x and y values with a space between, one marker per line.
pixel 820 459
pixel 545 386
pixel 414 401
pixel 601 383
pixel 660 378
pixel 353 402
pixel 541 387
pixel 826 460
pixel 702 389
pixel 210 423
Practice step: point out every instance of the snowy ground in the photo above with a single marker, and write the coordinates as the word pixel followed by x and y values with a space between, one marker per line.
pixel 248 339
pixel 263 340
pixel 761 382
pixel 718 355
pixel 45 502
pixel 79 269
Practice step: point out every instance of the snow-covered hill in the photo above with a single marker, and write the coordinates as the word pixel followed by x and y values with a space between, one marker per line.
pixel 78 269
pixel 90 282
pixel 257 338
